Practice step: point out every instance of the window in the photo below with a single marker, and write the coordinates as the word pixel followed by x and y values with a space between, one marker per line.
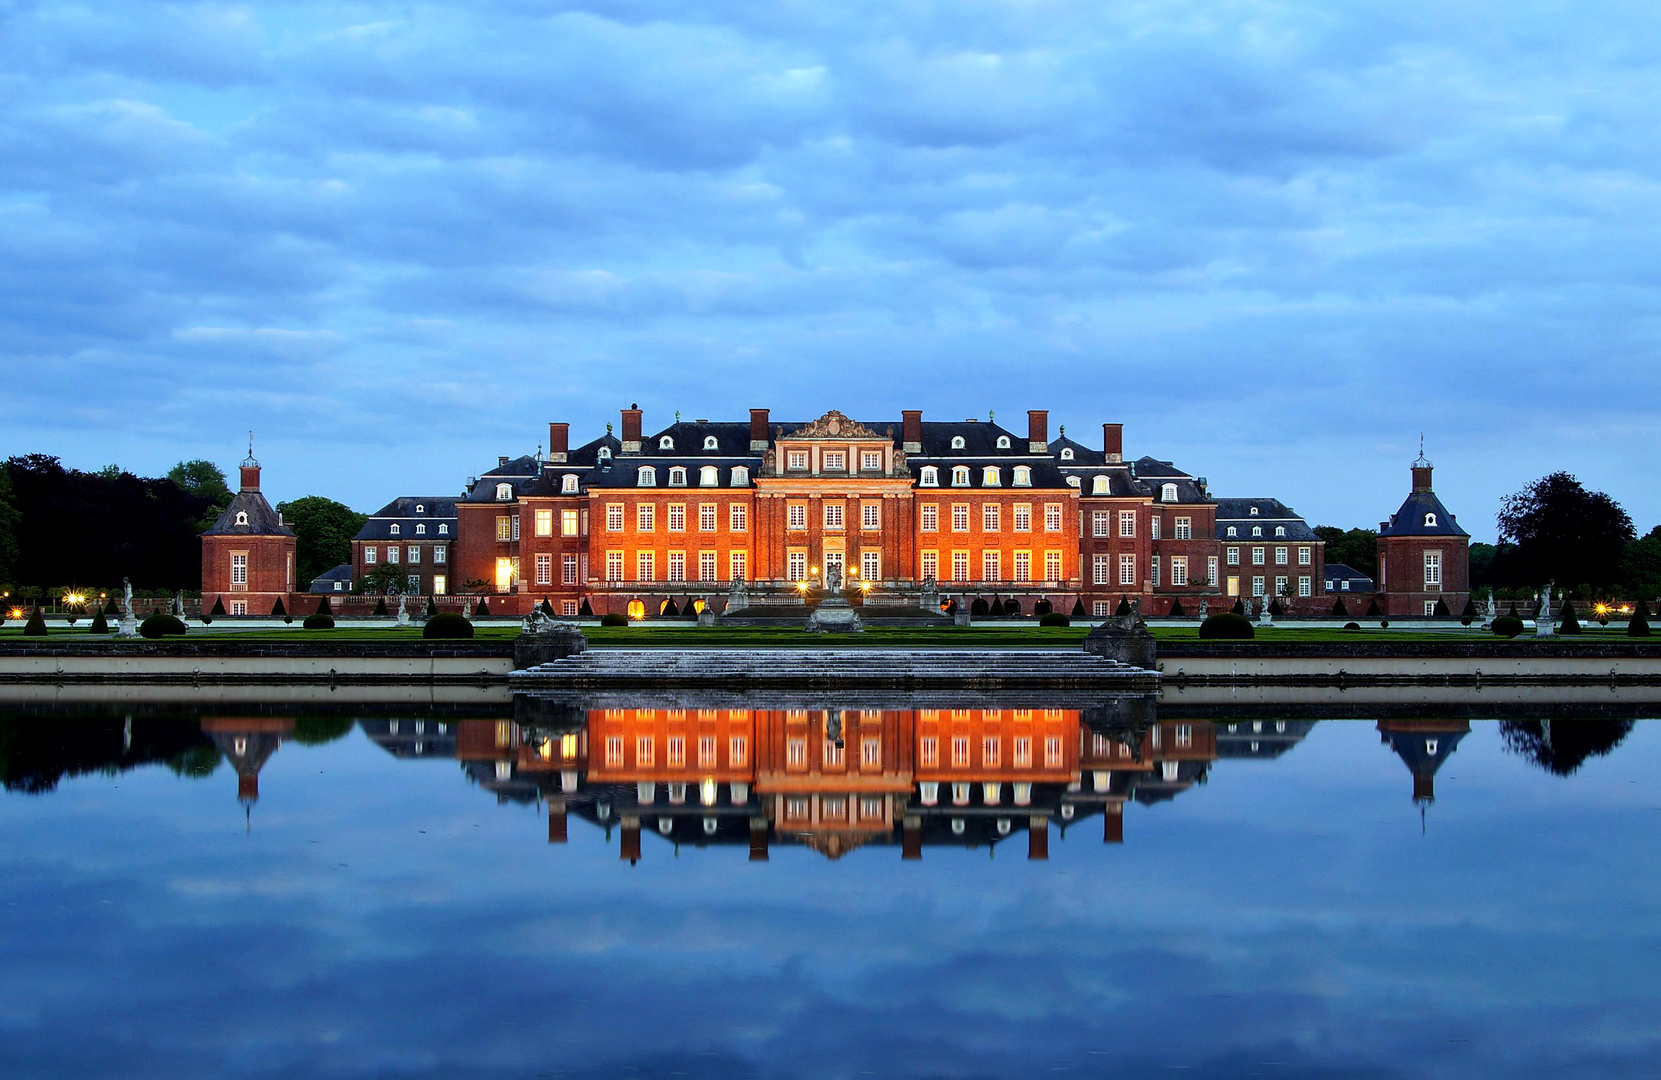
pixel 1052 517
pixel 1231 530
pixel 421 529
pixel 957 442
pixel 710 443
pixel 870 565
pixel 1066 453
pixel 960 566
pixel 1430 519
pixel 1304 585
pixel 568 522
pixel 604 453
pixel 706 566
pixel 677 477
pixel 1101 569
pixel 645 517
pixel 646 477
pixel 614 517
pixel 991 752
pixel 1168 493
pixel 709 476
pixel 796 516
pixel 1280 556
pixel 989 517
pixel 369 554
pixel 796 459
pixel 1211 570
pixel 443 530
pixel 614 566
pixel 414 554
pixel 239 570
pixel 1023 517
pixel 833 515
pixel 1153 571
pixel 740 476
pixel 1099 609
pixel 738 748
pixel 738 517
pixel 1257 556
pixel 960 476
pixel 544 523
pixel 439 584
pixel 544 569
pixel 836 461
pixel 991 476
pixel 1234 556
pixel 1280 530
pixel 645 750
pixel 645 566
pixel 677 566
pixel 929 517
pixel 960 517
pixel 666 443
pixel 568 569
pixel 930 477
pixel 1153 527
pixel 1433 569
pixel 1052 566
pixel 677 517
pixel 1257 585
pixel 1098 486
pixel 392 554
pixel 1099 520
pixel 1127 569
pixel 870 460
pixel 960 751
pixel 1184 529
pixel 706 517
pixel 1023 566
pixel 1179 570
pixel 738 565
pixel 1127 523
pixel 568 484
pixel 795 566
pixel 870 515
pixel 989 569
pixel 1257 530
pixel 1280 586
pixel 504 492
pixel 397 529
pixel 1253 511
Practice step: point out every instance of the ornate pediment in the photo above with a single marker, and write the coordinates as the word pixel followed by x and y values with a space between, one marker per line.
pixel 833 425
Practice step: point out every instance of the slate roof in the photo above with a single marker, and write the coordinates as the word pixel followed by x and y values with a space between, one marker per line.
pixel 980 438
pixel 1337 572
pixel 1119 482
pixel 1410 519
pixel 403 511
pixel 262 520
pixel 625 472
pixel 1270 512
pixel 1082 455
pixel 1044 474
pixel 326 581
pixel 688 437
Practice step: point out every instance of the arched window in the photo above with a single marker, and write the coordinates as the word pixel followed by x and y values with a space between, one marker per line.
pixel 444 530
pixel 1023 476
pixel 504 492
pixel 1231 530
pixel 710 443
pixel 1257 530
pixel 1168 493
pixel 420 528
pixel 960 476
pixel 637 609
pixel 1280 530
pixel 242 517
pixel 1254 511
pixel 1066 453
pixel 957 442
pixel 568 484
pixel 1430 519
pixel 604 453
pixel 709 476
pixel 740 476
pixel 1072 481
pixel 646 477
pixel 677 477
pixel 666 443
pixel 1098 486
pixel 1430 747
pixel 420 509
pixel 991 476
pixel 396 529
pixel 1003 442
pixel 930 477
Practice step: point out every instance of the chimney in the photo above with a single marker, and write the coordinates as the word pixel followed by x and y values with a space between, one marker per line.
pixel 1038 431
pixel 758 825
pixel 631 429
pixel 1113 442
pixel 911 431
pixel 758 430
pixel 248 787
pixel 559 442
pixel 1038 837
pixel 501 461
pixel 1424 787
pixel 1421 475
pixel 556 820
pixel 1113 823
pixel 250 477
pixel 629 849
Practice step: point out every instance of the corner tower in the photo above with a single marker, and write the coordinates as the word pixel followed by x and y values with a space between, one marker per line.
pixel 1423 554
pixel 248 556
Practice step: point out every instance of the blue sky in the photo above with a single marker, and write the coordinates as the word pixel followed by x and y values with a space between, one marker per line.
pixel 1276 240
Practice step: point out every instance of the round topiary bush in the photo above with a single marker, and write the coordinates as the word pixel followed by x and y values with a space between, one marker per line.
pixel 319 621
pixel 1227 626
pixel 1352 626
pixel 1507 626
pixel 1054 618
pixel 1383 623
pixel 614 620
pixel 161 625
pixel 447 624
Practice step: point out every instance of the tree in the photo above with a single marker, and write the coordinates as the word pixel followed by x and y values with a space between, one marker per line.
pixel 8 526
pixel 324 530
pixel 206 481
pixel 1560 747
pixel 1482 566
pixel 1355 548
pixel 384 579
pixel 1641 567
pixel 1565 533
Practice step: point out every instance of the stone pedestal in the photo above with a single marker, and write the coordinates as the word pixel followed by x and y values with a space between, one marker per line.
pixel 834 615
pixel 1124 638
pixel 557 643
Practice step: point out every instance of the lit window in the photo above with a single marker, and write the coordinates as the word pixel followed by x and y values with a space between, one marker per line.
pixel 960 476
pixel 738 517
pixel 709 476
pixel 991 476
pixel 544 523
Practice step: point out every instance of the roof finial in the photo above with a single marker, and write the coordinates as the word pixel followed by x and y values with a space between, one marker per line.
pixel 1423 462
pixel 250 462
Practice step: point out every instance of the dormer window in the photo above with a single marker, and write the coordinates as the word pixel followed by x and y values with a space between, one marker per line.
pixel 420 509
pixel 991 476
pixel 677 477
pixel 1098 486
pixel 604 453
pixel 666 443
pixel 710 443
pixel 1168 493
pixel 960 476
pixel 504 492
pixel 1023 476
pixel 1066 453
pixel 396 529
pixel 242 517
pixel 1003 442
pixel 1280 530
pixel 958 443
pixel 1257 530
pixel 1254 511
pixel 420 529
pixel 709 476
pixel 1430 519
pixel 1231 530
pixel 740 476
pixel 444 530
pixel 568 484
pixel 930 477
pixel 1072 481
pixel 646 477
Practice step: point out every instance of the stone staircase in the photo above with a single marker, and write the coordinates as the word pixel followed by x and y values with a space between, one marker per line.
pixel 977 669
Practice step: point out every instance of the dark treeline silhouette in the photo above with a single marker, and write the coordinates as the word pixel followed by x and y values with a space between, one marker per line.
pixel 35 754
pixel 1562 746
pixel 93 529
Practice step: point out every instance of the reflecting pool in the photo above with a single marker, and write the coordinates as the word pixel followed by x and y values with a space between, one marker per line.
pixel 539 887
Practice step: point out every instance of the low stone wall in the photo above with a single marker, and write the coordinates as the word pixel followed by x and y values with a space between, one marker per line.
pixel 1468 663
pixel 258 662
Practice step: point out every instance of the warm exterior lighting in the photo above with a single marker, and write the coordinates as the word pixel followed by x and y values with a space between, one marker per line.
pixel 15 613
pixel 706 792
pixel 865 586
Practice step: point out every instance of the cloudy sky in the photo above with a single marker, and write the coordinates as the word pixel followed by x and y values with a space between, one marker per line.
pixel 1277 240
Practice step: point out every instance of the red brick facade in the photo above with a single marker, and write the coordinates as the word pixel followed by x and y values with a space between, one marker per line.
pixel 248 557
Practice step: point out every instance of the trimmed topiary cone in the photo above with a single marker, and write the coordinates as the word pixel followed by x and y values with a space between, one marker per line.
pixel 432 606
pixel 586 611
pixel 546 608
pixel 323 607
pixel 1078 608
pixel 1176 608
pixel 1373 611
pixel 1124 607
pixel 100 625
pixel 1441 611
pixel 1568 623
pixel 1339 609
pixel 380 606
pixel 36 626
pixel 484 608
pixel 1239 607
pixel 218 607
pixel 279 610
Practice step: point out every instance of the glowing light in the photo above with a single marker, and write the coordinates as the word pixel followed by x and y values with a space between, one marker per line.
pixel 706 792
pixel 15 613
